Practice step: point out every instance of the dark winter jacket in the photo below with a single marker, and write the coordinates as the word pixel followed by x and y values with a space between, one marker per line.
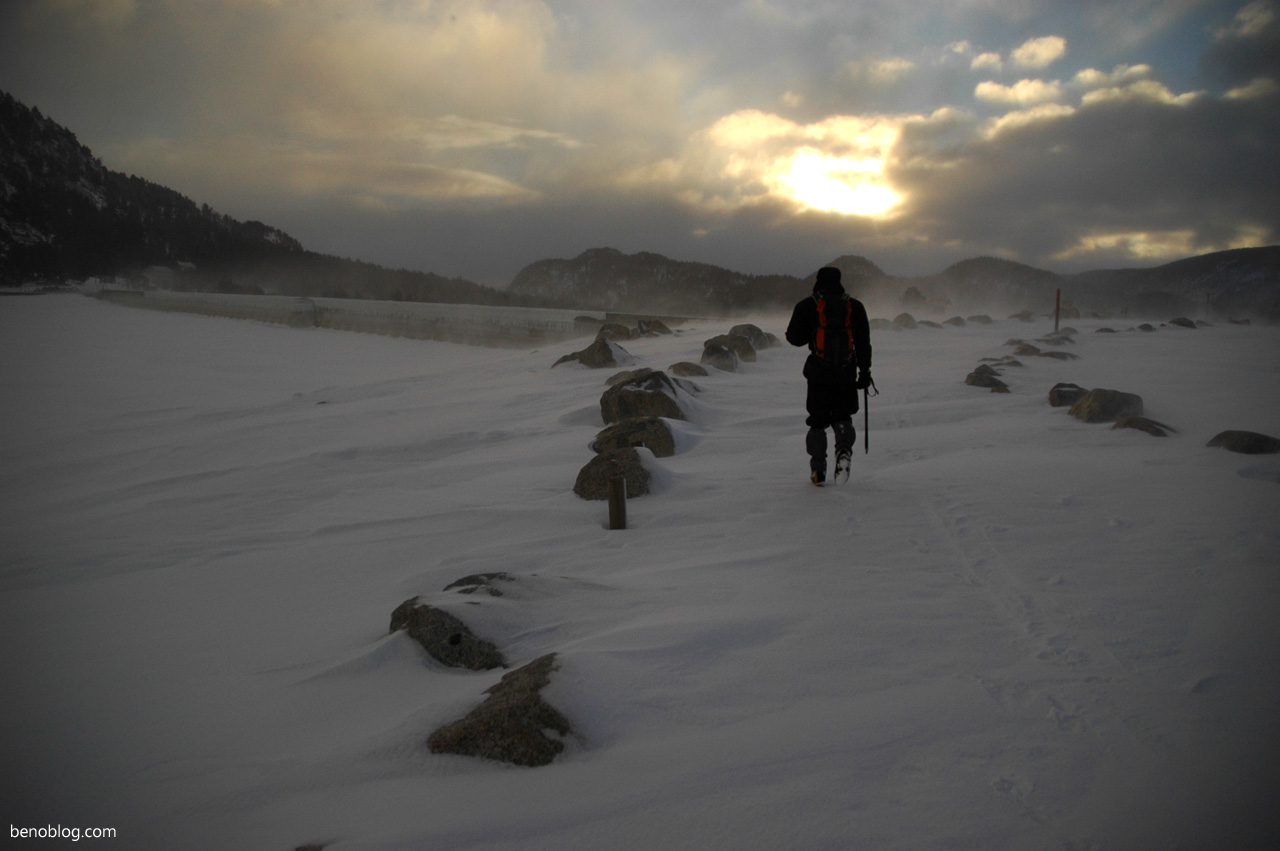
pixel 802 329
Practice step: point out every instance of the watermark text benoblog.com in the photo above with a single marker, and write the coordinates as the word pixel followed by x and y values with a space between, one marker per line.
pixel 50 831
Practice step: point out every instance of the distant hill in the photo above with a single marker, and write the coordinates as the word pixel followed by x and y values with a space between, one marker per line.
pixel 1242 281
pixel 65 216
pixel 607 279
pixel 988 284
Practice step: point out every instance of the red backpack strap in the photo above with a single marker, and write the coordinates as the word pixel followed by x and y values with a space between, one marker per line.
pixel 820 336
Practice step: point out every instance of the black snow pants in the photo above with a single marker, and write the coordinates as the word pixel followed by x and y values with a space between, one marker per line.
pixel 829 405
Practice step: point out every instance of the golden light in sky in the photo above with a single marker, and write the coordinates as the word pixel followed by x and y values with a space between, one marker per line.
pixel 834 184
pixel 837 165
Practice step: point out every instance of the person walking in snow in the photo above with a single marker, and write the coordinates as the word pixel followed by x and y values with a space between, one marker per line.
pixel 834 326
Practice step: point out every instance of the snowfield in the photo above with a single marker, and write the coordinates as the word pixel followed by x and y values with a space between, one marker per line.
pixel 1010 630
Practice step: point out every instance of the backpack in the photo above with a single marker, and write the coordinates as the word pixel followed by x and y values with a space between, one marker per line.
pixel 833 337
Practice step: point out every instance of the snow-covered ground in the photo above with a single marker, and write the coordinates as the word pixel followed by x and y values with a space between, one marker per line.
pixel 1010 630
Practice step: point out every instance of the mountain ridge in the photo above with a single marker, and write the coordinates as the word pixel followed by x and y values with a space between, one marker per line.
pixel 65 216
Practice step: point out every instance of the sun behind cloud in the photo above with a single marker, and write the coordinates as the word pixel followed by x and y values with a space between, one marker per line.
pixel 836 165
pixel 833 184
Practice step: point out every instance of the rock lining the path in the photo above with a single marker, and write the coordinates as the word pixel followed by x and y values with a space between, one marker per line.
pixel 512 724
pixel 1246 442
pixel 445 638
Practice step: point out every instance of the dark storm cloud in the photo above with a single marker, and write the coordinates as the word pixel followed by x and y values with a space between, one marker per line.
pixel 1248 48
pixel 1124 176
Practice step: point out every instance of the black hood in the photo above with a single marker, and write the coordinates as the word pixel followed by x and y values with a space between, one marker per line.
pixel 828 283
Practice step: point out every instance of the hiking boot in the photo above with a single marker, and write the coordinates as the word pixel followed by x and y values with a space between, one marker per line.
pixel 843 462
pixel 818 477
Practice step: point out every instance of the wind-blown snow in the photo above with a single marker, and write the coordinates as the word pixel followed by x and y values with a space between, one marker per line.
pixel 1010 630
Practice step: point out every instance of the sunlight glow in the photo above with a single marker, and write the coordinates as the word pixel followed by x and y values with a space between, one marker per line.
pixel 838 184
pixel 1163 245
pixel 1141 245
pixel 842 164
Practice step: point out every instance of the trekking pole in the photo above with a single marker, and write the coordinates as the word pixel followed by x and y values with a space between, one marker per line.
pixel 866 418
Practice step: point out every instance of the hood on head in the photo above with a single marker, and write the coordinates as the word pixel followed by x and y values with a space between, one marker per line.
pixel 828 282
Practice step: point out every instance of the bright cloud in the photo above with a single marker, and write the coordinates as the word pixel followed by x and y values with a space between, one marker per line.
pixel 1159 245
pixel 1144 90
pixel 987 61
pixel 835 165
pixel 1137 244
pixel 1021 118
pixel 836 184
pixel 891 70
pixel 1040 52
pixel 1257 88
pixel 1091 78
pixel 1021 93
pixel 385 183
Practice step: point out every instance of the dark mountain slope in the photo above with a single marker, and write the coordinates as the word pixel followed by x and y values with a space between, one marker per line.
pixel 64 215
pixel 607 279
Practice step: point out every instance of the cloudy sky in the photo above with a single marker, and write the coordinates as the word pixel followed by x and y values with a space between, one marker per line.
pixel 471 137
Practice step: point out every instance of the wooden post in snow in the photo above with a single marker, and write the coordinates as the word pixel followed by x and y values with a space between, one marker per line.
pixel 1057 310
pixel 617 503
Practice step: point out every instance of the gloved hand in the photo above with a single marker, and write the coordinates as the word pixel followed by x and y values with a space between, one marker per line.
pixel 864 379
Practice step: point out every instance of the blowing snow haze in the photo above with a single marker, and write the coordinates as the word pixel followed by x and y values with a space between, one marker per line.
pixel 470 139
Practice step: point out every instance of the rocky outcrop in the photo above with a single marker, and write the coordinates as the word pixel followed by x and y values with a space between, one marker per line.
pixel 687 369
pixel 1106 406
pixel 757 336
pixel 646 393
pixel 511 724
pixel 1063 395
pixel 985 376
pixel 486 582
pixel 987 381
pixel 627 375
pixel 720 357
pixel 445 638
pixel 593 479
pixel 1151 427
pixel 1246 442
pixel 651 328
pixel 598 355
pixel 613 331
pixel 650 432
pixel 904 320
pixel 737 343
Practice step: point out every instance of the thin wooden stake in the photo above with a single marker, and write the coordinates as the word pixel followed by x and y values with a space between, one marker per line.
pixel 1057 310
pixel 617 503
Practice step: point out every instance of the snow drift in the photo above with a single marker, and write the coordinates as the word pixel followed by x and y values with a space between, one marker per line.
pixel 1010 630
